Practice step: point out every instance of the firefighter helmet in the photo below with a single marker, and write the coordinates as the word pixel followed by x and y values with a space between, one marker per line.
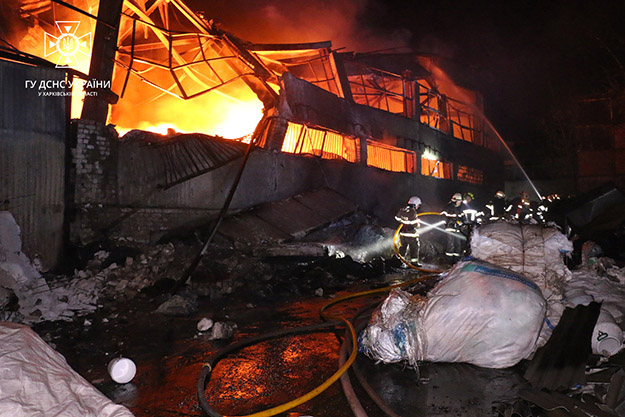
pixel 469 195
pixel 456 197
pixel 500 194
pixel 414 200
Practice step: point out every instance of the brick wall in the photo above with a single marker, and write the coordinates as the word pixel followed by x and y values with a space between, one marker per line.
pixel 95 163
pixel 93 176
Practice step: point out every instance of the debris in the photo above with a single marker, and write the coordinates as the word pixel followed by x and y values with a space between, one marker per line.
pixel 615 397
pixel 122 370
pixel 607 336
pixel 204 324
pixel 319 292
pixel 6 295
pixel 292 249
pixel 37 300
pixel 562 361
pixel 177 305
pixel 598 281
pixel 449 326
pixel 555 400
pixel 222 330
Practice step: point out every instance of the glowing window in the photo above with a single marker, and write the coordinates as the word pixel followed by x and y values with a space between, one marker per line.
pixel 378 89
pixel 434 168
pixel 472 175
pixel 430 103
pixel 390 158
pixel 302 139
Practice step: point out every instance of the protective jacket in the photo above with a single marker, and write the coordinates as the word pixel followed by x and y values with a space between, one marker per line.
pixel 496 208
pixel 409 217
pixel 454 216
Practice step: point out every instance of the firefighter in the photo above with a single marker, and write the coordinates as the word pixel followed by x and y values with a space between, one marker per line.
pixel 408 216
pixel 453 227
pixel 520 208
pixel 496 208
pixel 470 216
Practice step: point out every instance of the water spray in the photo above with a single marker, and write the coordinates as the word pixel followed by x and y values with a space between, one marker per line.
pixel 511 154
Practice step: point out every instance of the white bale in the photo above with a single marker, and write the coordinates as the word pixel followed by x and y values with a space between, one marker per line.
pixel 479 313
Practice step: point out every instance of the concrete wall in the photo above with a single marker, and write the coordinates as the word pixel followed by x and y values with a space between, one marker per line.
pixel 268 176
pixel 32 157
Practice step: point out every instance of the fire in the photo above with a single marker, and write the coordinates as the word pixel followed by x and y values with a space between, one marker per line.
pixel 211 113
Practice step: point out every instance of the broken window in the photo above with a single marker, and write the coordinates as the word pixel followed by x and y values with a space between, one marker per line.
pixel 431 102
pixel 324 143
pixel 463 122
pixel 378 89
pixel 312 65
pixel 390 158
pixel 172 65
pixel 471 175
pixel 437 169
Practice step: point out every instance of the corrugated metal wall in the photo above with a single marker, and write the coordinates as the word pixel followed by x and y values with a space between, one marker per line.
pixel 32 157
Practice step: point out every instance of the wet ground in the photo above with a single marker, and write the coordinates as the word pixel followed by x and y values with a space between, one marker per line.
pixel 169 353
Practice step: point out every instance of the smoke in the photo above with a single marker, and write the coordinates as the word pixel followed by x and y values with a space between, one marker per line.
pixel 287 21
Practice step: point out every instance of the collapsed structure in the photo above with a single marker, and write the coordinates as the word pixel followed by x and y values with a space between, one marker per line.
pixel 376 127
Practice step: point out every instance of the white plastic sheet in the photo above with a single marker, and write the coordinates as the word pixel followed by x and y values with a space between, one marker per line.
pixel 479 313
pixel 35 380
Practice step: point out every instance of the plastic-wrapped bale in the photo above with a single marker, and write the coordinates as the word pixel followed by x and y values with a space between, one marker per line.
pixel 534 251
pixel 531 250
pixel 478 313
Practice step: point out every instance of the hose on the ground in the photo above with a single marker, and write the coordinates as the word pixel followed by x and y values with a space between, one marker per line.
pixel 396 243
pixel 355 404
pixel 331 322
pixel 208 367
pixel 346 384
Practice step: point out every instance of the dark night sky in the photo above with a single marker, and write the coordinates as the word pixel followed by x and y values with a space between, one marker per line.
pixel 520 55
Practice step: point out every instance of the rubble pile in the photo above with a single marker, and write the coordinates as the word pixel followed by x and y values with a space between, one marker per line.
pixel 127 279
pixel 358 236
pixel 27 297
pixel 35 299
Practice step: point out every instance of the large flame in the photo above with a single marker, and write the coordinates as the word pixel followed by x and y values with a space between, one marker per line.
pixel 230 116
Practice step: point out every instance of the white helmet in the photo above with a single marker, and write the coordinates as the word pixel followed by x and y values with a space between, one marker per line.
pixel 456 197
pixel 415 200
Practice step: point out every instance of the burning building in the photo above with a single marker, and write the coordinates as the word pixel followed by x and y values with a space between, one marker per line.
pixel 172 102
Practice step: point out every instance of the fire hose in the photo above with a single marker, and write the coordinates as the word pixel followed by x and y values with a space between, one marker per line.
pixel 331 323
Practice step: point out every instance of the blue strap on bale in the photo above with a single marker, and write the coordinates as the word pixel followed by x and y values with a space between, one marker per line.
pixel 482 269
